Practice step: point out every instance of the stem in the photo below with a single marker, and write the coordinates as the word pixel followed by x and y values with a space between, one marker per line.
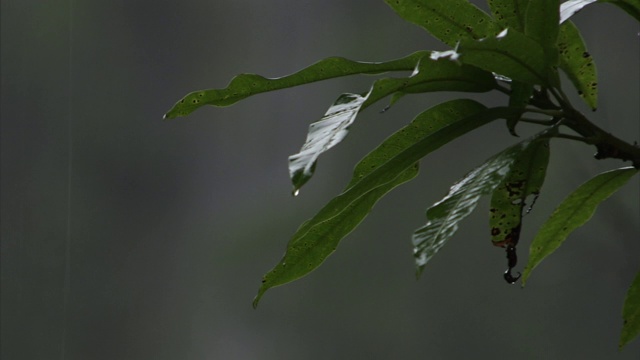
pixel 539 122
pixel 554 113
pixel 609 146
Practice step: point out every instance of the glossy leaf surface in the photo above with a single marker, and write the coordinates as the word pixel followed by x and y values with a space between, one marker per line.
pixel 525 178
pixel 445 216
pixel 631 313
pixel 323 135
pixel 429 75
pixel 511 54
pixel 573 212
pixel 245 85
pixel 578 64
pixel 392 163
pixel 447 20
pixel 572 7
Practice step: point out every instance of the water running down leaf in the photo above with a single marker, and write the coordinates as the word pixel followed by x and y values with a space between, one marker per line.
pixel 445 215
pixel 390 164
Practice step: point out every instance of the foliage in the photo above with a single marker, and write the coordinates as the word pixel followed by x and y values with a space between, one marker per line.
pixel 516 50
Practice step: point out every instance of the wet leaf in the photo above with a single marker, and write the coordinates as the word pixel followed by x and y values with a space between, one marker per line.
pixel 245 85
pixel 447 20
pixel 323 135
pixel 429 75
pixel 445 215
pixel 525 178
pixel 573 212
pixel 509 13
pixel 572 7
pixel 631 313
pixel 511 54
pixel 389 165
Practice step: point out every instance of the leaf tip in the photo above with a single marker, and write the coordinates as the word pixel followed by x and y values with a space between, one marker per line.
pixel 256 299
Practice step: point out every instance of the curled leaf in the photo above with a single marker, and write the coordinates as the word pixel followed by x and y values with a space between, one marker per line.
pixel 323 135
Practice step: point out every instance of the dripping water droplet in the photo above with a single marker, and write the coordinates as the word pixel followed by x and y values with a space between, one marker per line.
pixel 296 192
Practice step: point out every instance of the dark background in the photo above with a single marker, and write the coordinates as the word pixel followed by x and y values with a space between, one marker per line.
pixel 126 237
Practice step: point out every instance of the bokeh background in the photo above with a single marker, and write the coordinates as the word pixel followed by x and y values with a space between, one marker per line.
pixel 126 237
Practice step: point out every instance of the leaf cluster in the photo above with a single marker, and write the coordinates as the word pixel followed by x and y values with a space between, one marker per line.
pixel 519 50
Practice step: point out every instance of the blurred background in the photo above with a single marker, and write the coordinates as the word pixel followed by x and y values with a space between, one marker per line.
pixel 127 237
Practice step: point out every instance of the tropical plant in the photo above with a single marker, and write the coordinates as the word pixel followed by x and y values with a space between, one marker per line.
pixel 517 50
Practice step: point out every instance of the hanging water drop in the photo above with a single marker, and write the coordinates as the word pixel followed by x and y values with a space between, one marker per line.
pixel 296 192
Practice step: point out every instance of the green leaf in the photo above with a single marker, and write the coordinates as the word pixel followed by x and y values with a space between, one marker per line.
pixel 323 135
pixel 509 13
pixel 578 64
pixel 445 215
pixel 518 99
pixel 511 54
pixel 392 163
pixel 437 73
pixel 525 178
pixel 430 75
pixel 542 25
pixel 631 313
pixel 448 20
pixel 245 85
pixel 631 7
pixel 573 212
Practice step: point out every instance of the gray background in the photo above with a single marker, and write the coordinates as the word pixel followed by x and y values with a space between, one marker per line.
pixel 164 229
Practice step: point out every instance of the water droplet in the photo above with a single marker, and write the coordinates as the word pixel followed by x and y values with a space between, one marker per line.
pixel 296 192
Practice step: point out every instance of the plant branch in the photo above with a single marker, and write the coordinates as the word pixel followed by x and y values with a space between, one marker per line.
pixel 609 146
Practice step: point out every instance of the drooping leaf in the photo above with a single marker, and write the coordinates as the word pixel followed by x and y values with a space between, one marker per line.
pixel 511 54
pixel 573 212
pixel 445 215
pixel 631 7
pixel 245 85
pixel 542 25
pixel 386 167
pixel 447 20
pixel 572 7
pixel 509 13
pixel 518 99
pixel 429 75
pixel 323 135
pixel 525 178
pixel 631 313
pixel 578 64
